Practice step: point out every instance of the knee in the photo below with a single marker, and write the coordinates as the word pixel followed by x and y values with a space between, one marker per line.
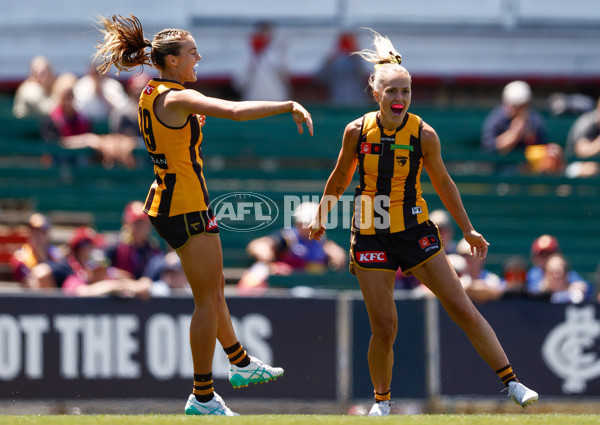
pixel 384 329
pixel 218 296
pixel 209 298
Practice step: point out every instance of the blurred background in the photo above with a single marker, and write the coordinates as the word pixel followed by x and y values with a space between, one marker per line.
pixel 530 202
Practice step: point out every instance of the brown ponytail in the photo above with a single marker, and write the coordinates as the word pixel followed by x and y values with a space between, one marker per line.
pixel 124 44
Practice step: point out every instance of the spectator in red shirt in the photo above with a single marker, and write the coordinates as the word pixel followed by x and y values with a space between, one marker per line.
pixel 135 248
pixel 91 275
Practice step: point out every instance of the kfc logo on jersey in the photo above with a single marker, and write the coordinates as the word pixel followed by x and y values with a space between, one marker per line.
pixel 428 243
pixel 371 148
pixel 212 224
pixel 371 257
pixel 148 89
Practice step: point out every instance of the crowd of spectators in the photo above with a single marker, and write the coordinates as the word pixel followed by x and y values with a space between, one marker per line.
pixel 88 265
pixel 70 108
pixel 289 250
pixel 134 265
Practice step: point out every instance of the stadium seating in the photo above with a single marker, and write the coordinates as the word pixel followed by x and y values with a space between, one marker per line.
pixel 269 157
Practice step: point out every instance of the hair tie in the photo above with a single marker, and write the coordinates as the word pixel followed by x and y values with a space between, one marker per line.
pixel 397 59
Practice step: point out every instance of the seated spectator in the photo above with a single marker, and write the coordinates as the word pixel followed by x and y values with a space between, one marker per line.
pixel 172 279
pixel 34 96
pixel 97 95
pixel 37 264
pixel 459 264
pixel 480 284
pixel 91 274
pixel 583 144
pixel 556 285
pixel 67 126
pixel 444 222
pixel 65 120
pixel 514 277
pixel 124 119
pixel 515 126
pixel 135 248
pixel 290 250
pixel 542 248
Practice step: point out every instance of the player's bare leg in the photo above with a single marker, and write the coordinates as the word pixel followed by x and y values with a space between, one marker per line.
pixel 439 276
pixel 378 292
pixel 202 262
pixel 255 372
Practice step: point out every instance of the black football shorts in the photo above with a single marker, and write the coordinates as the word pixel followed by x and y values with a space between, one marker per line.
pixel 177 230
pixel 407 249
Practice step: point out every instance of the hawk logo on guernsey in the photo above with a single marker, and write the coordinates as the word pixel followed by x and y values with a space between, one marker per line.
pixel 212 224
pixel 371 148
pixel 428 243
pixel 371 257
pixel 402 160
pixel 148 89
pixel 196 226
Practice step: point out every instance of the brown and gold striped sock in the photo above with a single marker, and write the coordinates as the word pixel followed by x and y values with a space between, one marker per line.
pixel 382 397
pixel 237 355
pixel 507 375
pixel 203 387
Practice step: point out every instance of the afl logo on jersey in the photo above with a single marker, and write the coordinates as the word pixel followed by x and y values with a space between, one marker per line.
pixel 148 89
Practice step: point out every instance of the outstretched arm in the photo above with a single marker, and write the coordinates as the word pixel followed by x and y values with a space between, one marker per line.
pixel 447 190
pixel 177 105
pixel 339 179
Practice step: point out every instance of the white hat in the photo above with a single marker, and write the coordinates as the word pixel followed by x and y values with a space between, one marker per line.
pixel 516 93
pixel 463 247
pixel 458 262
pixel 440 217
pixel 305 212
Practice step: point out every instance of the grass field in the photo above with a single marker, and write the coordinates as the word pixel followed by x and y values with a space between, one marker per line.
pixel 497 419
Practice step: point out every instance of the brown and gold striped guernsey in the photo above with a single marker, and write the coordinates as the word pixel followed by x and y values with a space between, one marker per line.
pixel 390 166
pixel 175 152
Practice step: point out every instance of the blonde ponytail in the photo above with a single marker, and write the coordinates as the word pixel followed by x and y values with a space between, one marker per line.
pixel 384 56
pixel 384 51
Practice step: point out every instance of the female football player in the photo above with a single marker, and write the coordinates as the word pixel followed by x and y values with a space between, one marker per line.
pixel 391 226
pixel 170 120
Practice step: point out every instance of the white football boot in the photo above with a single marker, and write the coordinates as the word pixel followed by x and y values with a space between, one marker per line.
pixel 255 373
pixel 215 407
pixel 381 408
pixel 521 394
